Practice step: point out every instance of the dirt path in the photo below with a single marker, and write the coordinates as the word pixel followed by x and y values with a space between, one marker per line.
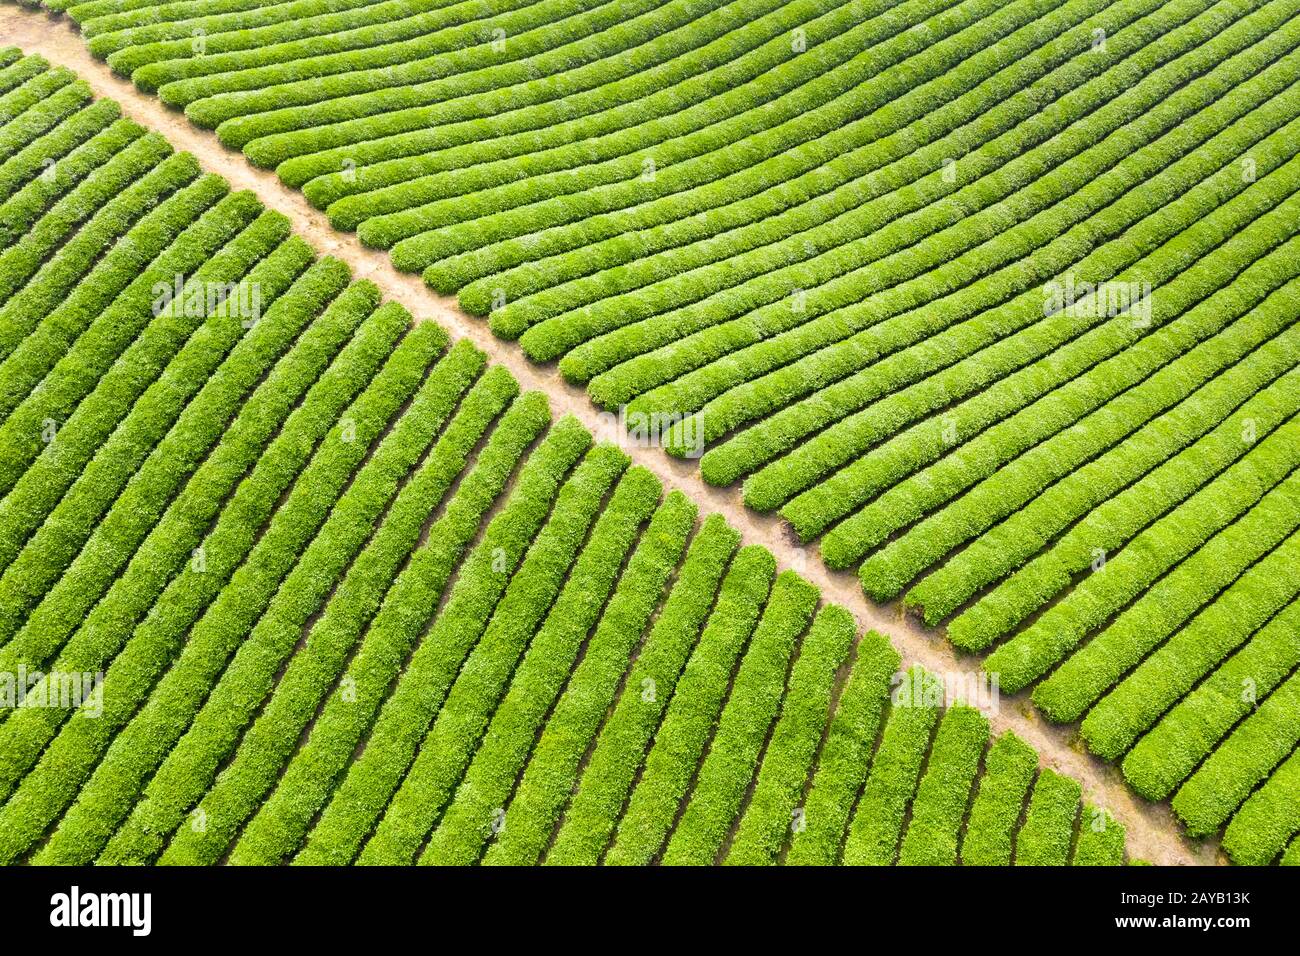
pixel 1153 833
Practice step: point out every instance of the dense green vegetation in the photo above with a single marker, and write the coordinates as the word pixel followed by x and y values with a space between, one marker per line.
pixel 341 593
pixel 992 303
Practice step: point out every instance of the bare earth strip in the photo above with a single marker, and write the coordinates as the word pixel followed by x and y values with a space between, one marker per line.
pixel 1153 833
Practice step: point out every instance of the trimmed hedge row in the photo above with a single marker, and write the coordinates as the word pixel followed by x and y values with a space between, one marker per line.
pixel 15 66
pixel 58 276
pixel 474 791
pixel 1261 742
pixel 242 550
pixel 1046 836
pixel 63 149
pixel 1172 670
pixel 694 338
pixel 741 735
pixel 1009 769
pixel 869 163
pixel 1155 251
pixel 620 748
pixel 891 784
pixel 1266 822
pixel 343 603
pixel 846 755
pixel 1118 520
pixel 143 463
pixel 74 613
pixel 237 684
pixel 770 816
pixel 1100 841
pixel 1292 855
pixel 1148 621
pixel 35 83
pixel 430 783
pixel 1218 409
pixel 410 47
pixel 279 826
pixel 152 245
pixel 681 94
pixel 1107 404
pixel 517 223
pixel 83 830
pixel 43 117
pixel 697 699
pixel 118 497
pixel 547 782
pixel 519 130
pixel 1159 548
pixel 940 805
pixel 559 59
pixel 694 174
pixel 79 475
pixel 23 432
pixel 387 34
pixel 267 745
pixel 43 218
pixel 453 682
pixel 885 472
pixel 410 600
pixel 1174 748
pixel 112 30
pixel 221 247
pixel 109 14
pixel 790 218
